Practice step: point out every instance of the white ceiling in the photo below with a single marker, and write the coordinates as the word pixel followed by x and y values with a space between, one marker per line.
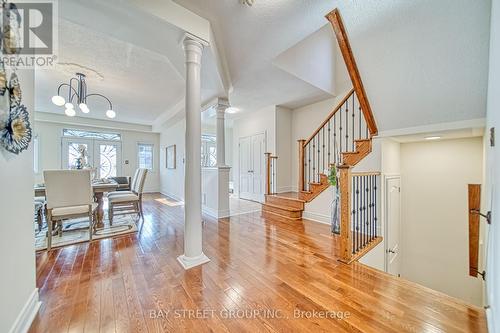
pixel 139 69
pixel 422 61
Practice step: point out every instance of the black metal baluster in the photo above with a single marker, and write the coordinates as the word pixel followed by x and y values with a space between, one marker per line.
pixel 323 148
pixel 353 116
pixel 347 125
pixel 340 130
pixel 329 138
pixel 319 158
pixel 335 140
pixel 356 217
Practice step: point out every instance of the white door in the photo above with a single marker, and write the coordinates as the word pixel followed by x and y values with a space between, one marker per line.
pixel 393 211
pixel 252 175
pixel 258 167
pixel 246 168
pixel 104 156
pixel 107 158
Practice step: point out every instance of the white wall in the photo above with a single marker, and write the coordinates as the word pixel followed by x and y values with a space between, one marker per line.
pixel 50 132
pixel 434 233
pixel 172 180
pixel 492 184
pixel 17 246
pixel 284 145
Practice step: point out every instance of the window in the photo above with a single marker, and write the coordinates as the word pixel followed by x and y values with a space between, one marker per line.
pixel 91 135
pixel 145 156
pixel 208 151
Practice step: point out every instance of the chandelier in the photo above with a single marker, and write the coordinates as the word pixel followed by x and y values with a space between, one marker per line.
pixel 77 92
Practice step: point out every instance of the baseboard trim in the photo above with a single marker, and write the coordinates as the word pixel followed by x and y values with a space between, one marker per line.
pixel 316 217
pixel 173 196
pixel 27 315
pixel 213 213
pixel 190 262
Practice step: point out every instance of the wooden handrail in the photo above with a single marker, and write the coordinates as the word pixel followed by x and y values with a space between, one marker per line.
pixel 474 204
pixel 330 116
pixel 352 68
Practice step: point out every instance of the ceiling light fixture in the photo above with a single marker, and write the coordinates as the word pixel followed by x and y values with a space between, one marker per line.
pixel 434 137
pixel 232 110
pixel 77 90
pixel 247 2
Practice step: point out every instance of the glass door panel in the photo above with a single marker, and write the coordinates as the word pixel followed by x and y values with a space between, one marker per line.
pixel 71 152
pixel 108 158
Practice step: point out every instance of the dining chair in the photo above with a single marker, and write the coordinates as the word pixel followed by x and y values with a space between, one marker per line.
pixel 69 195
pixel 128 202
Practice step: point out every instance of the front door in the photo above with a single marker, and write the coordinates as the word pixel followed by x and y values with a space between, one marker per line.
pixel 393 248
pixel 103 156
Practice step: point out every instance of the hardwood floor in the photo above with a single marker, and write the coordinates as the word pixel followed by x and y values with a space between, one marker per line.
pixel 274 266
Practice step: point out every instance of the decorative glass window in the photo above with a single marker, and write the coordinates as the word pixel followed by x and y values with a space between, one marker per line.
pixel 145 156
pixel 208 151
pixel 91 135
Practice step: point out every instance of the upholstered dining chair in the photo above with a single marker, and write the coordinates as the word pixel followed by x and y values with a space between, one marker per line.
pixel 69 195
pixel 128 202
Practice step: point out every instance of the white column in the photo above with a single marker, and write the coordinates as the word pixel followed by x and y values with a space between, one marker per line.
pixel 193 251
pixel 222 105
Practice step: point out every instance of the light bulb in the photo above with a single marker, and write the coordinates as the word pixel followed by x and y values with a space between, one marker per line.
pixel 110 114
pixel 58 100
pixel 70 112
pixel 84 108
pixel 69 106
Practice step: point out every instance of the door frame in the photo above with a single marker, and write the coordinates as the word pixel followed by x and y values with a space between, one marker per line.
pixel 239 158
pixel 386 179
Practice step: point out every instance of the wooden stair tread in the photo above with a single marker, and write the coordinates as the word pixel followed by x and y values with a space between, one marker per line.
pixel 290 209
pixel 295 196
pixel 281 216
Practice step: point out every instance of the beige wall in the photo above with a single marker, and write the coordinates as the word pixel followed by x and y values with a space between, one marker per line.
pixel 172 180
pixel 18 296
pixel 50 133
pixel 434 232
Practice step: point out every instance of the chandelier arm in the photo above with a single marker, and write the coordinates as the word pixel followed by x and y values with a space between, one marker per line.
pixel 71 88
pixel 110 104
pixel 77 93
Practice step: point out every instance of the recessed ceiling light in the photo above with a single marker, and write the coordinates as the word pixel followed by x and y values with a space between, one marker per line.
pixel 232 110
pixel 434 137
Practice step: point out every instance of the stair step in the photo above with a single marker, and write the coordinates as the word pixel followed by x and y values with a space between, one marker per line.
pixel 283 211
pixel 276 199
pixel 271 214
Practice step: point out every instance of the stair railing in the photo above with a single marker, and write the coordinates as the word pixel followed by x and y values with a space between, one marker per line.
pixel 336 135
pixel 271 165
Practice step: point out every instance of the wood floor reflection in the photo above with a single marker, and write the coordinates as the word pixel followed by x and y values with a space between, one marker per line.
pixel 265 275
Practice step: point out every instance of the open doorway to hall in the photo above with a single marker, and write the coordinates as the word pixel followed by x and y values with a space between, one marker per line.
pixel 426 210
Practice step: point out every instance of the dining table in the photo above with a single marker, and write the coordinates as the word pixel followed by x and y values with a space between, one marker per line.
pixel 98 187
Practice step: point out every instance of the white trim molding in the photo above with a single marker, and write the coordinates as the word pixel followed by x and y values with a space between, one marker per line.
pixel 27 315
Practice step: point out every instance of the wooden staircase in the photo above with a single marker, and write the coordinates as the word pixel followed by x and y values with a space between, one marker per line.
pixel 342 140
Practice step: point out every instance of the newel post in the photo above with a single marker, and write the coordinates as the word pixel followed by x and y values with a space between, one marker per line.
pixel 345 185
pixel 268 173
pixel 301 164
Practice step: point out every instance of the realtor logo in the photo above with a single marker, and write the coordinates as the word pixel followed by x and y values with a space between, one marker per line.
pixel 29 33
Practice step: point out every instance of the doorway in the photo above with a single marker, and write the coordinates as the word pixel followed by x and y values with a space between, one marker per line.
pixel 393 229
pixel 102 155
pixel 251 163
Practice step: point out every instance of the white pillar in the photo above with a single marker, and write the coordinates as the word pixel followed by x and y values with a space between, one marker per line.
pixel 193 251
pixel 222 105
